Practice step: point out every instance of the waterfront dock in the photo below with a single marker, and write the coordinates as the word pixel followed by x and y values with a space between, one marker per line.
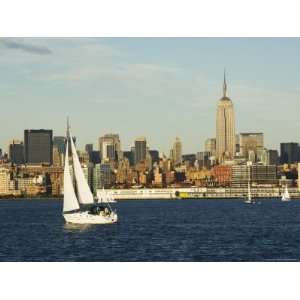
pixel 199 193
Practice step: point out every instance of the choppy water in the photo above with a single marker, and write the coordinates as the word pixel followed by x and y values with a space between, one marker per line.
pixel 175 230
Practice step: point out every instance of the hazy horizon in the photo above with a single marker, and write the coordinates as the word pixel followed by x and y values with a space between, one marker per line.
pixel 159 88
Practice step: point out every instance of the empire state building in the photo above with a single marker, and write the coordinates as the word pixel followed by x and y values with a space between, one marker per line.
pixel 225 127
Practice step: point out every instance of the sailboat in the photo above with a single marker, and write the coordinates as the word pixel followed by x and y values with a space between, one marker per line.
pixel 249 199
pixel 106 197
pixel 285 195
pixel 81 208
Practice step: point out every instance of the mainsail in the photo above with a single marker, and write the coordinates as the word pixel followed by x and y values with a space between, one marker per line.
pixel 85 195
pixel 286 195
pixel 249 192
pixel 70 200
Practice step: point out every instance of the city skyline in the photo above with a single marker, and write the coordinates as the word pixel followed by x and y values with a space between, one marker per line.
pixel 115 80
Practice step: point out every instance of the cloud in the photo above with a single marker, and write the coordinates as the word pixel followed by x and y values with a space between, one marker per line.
pixel 132 72
pixel 29 48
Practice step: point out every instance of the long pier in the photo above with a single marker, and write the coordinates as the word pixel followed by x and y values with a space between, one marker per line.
pixel 200 193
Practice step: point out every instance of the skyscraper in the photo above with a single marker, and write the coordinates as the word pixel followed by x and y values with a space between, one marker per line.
pixel 38 146
pixel 289 153
pixel 89 148
pixel 110 147
pixel 250 141
pixel 154 156
pixel 130 156
pixel 176 152
pixel 140 145
pixel 57 159
pixel 16 152
pixel 60 143
pixel 210 146
pixel 225 127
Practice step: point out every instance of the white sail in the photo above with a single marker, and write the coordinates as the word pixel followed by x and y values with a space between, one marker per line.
pixel 286 195
pixel 85 195
pixel 249 192
pixel 70 200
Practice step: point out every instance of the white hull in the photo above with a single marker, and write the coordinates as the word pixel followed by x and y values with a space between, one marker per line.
pixel 108 201
pixel 249 202
pixel 86 218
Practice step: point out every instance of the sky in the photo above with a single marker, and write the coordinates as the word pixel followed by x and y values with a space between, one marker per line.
pixel 159 88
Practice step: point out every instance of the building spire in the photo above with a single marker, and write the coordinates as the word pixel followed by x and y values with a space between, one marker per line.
pixel 68 127
pixel 224 84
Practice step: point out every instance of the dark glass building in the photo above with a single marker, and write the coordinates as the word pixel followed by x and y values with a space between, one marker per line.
pixel 130 156
pixel 89 148
pixel 95 157
pixel 191 158
pixel 16 152
pixel 38 146
pixel 289 153
pixel 140 146
pixel 154 156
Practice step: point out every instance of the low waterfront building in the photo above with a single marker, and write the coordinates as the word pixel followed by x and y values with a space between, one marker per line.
pixel 222 174
pixel 31 185
pixel 254 173
pixel 5 182
pixel 198 177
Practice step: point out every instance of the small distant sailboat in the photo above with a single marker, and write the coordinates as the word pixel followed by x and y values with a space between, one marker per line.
pixel 285 195
pixel 106 197
pixel 81 208
pixel 249 199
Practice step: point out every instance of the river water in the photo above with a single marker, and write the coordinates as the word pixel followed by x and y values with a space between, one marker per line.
pixel 154 230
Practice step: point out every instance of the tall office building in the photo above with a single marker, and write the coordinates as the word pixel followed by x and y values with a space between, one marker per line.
pixel 60 143
pixel 140 149
pixel 16 152
pixel 94 157
pixel 89 148
pixel 110 147
pixel 102 176
pixel 251 142
pixel 272 157
pixel 130 156
pixel 225 127
pixel 176 152
pixel 289 153
pixel 203 159
pixel 210 146
pixel 38 146
pixel 154 156
pixel 58 157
